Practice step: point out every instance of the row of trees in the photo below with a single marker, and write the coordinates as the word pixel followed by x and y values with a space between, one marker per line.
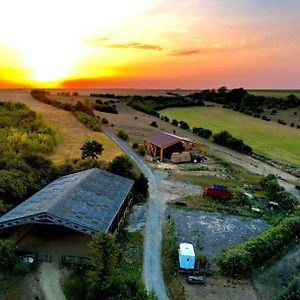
pixel 84 112
pixel 240 98
pixel 224 138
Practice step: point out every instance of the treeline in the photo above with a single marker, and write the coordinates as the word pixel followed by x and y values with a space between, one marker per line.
pixel 224 138
pixel 82 111
pixel 25 139
pixel 150 104
pixel 241 99
pixel 105 107
pixel 240 260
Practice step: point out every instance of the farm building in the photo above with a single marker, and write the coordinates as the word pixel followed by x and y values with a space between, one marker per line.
pixel 163 145
pixel 86 202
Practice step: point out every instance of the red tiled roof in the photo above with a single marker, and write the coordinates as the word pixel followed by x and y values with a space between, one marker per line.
pixel 162 139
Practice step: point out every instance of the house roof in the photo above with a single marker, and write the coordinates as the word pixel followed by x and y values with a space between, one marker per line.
pixel 88 200
pixel 161 139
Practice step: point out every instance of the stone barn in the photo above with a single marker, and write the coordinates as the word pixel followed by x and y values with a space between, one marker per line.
pixel 68 211
pixel 162 145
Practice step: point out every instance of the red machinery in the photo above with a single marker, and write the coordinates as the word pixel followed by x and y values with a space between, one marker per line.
pixel 218 191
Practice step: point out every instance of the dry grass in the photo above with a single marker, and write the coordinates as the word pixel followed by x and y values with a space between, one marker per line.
pixel 72 134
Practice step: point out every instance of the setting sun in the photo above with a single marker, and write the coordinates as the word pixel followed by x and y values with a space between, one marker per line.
pixel 148 43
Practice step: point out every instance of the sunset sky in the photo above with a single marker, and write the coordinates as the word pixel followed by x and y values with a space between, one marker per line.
pixel 190 44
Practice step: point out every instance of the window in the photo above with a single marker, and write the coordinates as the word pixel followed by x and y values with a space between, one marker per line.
pixel 187 259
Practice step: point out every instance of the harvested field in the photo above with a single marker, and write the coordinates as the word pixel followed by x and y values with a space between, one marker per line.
pixel 72 134
pixel 275 93
pixel 267 138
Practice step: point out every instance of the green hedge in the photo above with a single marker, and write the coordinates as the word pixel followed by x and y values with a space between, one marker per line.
pixel 88 120
pixel 239 260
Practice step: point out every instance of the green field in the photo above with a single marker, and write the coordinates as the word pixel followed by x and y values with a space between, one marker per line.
pixel 267 138
pixel 274 93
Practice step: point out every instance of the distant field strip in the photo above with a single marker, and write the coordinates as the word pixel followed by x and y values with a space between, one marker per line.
pixel 269 138
pixel 275 93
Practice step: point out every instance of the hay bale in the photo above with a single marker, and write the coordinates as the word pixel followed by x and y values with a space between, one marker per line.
pixel 176 158
pixel 186 156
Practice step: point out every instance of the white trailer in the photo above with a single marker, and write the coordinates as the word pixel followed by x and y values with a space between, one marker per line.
pixel 186 256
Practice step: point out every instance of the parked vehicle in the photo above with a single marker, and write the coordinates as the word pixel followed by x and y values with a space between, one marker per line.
pixel 218 191
pixel 195 279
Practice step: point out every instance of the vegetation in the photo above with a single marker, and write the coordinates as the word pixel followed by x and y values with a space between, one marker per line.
pixel 84 112
pixel 106 279
pixel 277 193
pixel 265 138
pixel 25 139
pixel 153 124
pixel 240 260
pixel 135 145
pixel 150 104
pixel 141 151
pixel 88 120
pixel 91 149
pixel 169 262
pixel 205 133
pixel 105 108
pixel 123 166
pixel 224 138
pixel 123 135
pixel 291 292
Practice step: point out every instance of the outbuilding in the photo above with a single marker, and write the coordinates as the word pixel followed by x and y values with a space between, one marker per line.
pixel 162 145
pixel 186 256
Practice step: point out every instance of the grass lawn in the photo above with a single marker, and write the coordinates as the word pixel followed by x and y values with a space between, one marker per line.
pixel 268 138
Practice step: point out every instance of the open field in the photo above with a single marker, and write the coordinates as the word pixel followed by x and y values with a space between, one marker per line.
pixel 72 134
pixel 266 138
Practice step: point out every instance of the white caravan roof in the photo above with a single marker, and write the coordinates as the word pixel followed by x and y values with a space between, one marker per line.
pixel 186 249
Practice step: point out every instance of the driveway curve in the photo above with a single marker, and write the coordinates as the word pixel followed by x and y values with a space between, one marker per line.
pixel 152 271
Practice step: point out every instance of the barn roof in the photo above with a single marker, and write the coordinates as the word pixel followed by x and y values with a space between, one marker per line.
pixel 87 201
pixel 162 139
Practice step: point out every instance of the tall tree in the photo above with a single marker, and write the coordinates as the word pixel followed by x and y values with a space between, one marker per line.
pixel 91 149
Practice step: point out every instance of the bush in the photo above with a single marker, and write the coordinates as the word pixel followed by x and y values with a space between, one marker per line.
pixel 88 120
pixel 105 108
pixel 277 193
pixel 292 124
pixel 205 133
pixel 184 125
pixel 135 145
pixel 256 251
pixel 104 121
pixel 153 124
pixel 224 138
pixel 8 256
pixel 235 262
pixel 141 151
pixel 123 135
pixel 291 292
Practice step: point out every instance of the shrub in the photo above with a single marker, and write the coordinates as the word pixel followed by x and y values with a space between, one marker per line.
pixel 104 121
pixel 184 125
pixel 292 124
pixel 88 120
pixel 256 251
pixel 153 124
pixel 224 138
pixel 123 135
pixel 135 145
pixel 277 193
pixel 235 262
pixel 291 292
pixel 205 133
pixel 141 151
pixel 105 108
pixel 175 123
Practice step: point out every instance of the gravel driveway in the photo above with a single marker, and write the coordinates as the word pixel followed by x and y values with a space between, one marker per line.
pixel 213 231
pixel 152 271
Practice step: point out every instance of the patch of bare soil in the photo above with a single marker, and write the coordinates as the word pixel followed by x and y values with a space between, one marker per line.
pixel 218 288
pixel 268 282
pixel 26 287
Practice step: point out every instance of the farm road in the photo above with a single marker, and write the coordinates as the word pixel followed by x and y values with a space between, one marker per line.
pixel 153 231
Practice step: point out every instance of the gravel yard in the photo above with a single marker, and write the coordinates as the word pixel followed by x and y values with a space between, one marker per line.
pixel 212 232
